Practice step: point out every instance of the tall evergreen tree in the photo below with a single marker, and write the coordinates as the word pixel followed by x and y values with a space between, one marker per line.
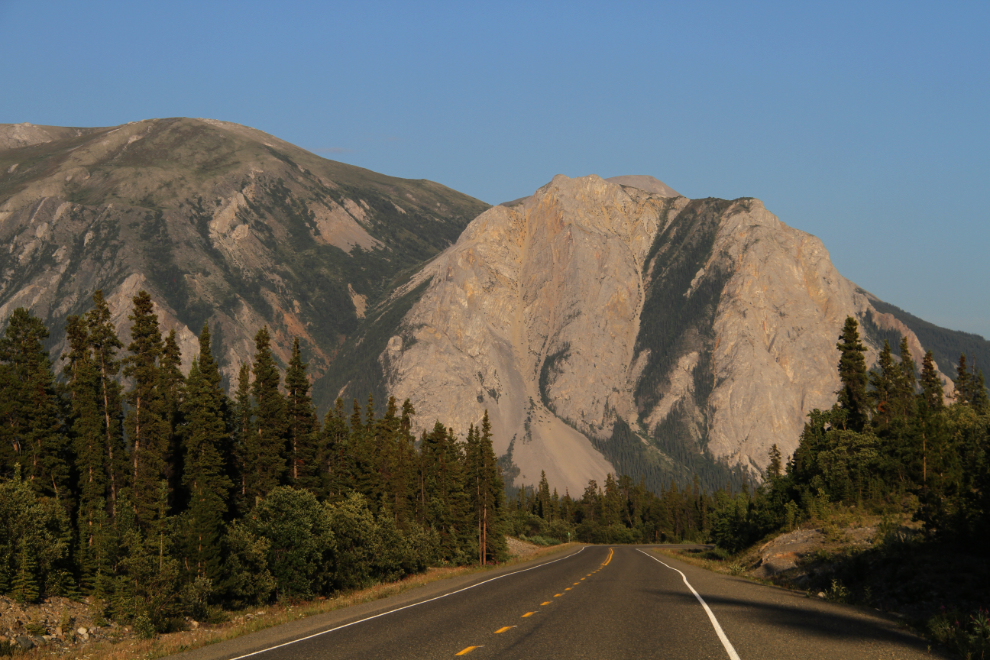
pixel 172 390
pixel 89 448
pixel 266 445
pixel 981 402
pixel 443 490
pixel 146 425
pixel 243 437
pixel 932 392
pixel 31 431
pixel 335 476
pixel 490 505
pixel 905 383
pixel 884 384
pixel 205 476
pixel 964 382
pixel 853 396
pixel 303 425
pixel 104 344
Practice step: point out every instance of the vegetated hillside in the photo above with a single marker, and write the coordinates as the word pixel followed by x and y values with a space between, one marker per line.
pixel 946 345
pixel 220 223
pixel 616 326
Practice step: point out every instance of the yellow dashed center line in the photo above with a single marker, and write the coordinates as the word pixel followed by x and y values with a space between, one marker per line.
pixel 567 589
pixel 577 583
pixel 504 629
pixel 468 650
pixel 546 603
pixel 557 595
pixel 528 614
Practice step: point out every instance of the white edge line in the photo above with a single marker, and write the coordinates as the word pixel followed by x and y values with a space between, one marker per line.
pixel 718 629
pixel 406 607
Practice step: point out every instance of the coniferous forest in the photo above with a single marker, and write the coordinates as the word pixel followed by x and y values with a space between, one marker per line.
pixel 157 495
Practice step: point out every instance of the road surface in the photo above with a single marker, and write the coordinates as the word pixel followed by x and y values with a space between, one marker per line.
pixel 594 602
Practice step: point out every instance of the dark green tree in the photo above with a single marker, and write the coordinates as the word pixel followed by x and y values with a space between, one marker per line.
pixel 31 432
pixel 335 477
pixel 146 424
pixel 104 344
pixel 205 476
pixel 303 425
pixel 266 465
pixel 932 391
pixel 243 439
pixel 172 391
pixel 964 382
pixel 853 396
pixel 883 381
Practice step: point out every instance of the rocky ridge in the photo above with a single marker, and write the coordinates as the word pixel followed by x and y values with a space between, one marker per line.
pixel 221 223
pixel 593 305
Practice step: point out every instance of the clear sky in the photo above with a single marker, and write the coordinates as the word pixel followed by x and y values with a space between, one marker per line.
pixel 866 124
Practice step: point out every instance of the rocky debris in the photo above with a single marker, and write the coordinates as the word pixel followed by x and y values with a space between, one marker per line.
pixel 520 548
pixel 55 621
pixel 783 553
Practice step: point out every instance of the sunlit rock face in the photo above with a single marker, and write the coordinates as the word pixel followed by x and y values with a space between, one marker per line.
pixel 598 300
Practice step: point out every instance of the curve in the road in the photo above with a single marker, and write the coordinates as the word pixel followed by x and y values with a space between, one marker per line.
pixel 711 615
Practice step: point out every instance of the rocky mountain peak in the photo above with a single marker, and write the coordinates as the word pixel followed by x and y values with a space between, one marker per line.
pixel 608 327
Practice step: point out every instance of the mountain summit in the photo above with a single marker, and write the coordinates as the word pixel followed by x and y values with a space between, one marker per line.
pixel 615 325
pixel 221 223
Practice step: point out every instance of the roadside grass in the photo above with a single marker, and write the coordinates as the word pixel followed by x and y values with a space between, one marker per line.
pixel 260 618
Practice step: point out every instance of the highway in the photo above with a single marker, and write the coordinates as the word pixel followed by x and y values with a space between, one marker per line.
pixel 593 602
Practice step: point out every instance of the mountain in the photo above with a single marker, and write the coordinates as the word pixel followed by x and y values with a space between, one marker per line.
pixel 606 325
pixel 614 324
pixel 220 223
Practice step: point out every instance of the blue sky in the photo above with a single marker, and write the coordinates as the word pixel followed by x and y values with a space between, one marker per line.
pixel 866 124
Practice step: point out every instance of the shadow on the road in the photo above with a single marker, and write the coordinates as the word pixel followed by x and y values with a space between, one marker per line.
pixel 826 621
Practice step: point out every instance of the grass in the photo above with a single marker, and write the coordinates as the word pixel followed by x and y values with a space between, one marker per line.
pixel 255 619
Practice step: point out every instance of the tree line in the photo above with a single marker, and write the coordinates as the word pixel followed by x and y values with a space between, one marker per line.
pixel 159 496
pixel 891 443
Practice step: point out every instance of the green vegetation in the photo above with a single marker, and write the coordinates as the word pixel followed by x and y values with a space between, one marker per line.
pixel 158 497
pixel 944 344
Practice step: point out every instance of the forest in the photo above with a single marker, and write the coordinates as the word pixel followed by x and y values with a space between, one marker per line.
pixel 160 497
pixel 157 496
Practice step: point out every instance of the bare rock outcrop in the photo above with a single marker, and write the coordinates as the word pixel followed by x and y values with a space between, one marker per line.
pixel 596 300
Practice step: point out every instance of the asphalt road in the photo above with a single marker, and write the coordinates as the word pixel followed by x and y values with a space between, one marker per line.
pixel 596 602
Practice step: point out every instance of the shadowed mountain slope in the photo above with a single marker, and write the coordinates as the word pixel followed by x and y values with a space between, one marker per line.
pixel 220 223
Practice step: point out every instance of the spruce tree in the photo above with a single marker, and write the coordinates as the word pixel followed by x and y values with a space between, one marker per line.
pixel 335 478
pixel 964 382
pixel 25 587
pixel 930 404
pixel 981 402
pixel 443 491
pixel 266 465
pixel 146 425
pixel 303 424
pixel 905 383
pixel 89 446
pixel 172 390
pixel 205 477
pixel 243 438
pixel 884 384
pixel 104 344
pixel 30 408
pixel 492 496
pixel 932 392
pixel 853 396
